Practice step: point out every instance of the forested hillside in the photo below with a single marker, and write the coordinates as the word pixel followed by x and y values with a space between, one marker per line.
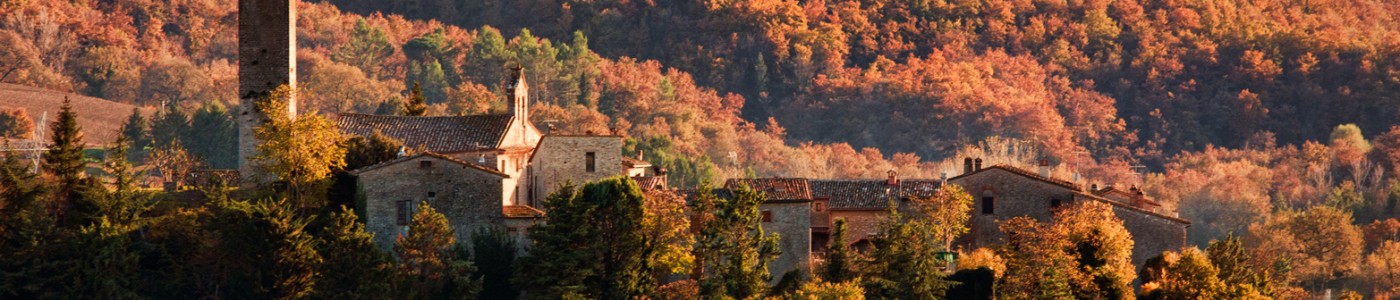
pixel 896 74
pixel 1277 122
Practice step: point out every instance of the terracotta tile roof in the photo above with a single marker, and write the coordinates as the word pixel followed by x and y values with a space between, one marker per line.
pixel 437 134
pixel 521 211
pixel 1131 207
pixel 775 188
pixel 1027 174
pixel 1131 197
pixel 373 167
pixel 870 193
pixel 651 182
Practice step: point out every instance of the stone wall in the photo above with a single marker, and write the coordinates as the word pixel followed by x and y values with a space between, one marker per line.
pixel 562 158
pixel 469 197
pixel 791 220
pixel 266 59
pixel 860 224
pixel 1152 235
pixel 1012 195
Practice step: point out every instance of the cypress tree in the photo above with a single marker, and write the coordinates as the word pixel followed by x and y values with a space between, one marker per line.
pixel 734 248
pixel 838 255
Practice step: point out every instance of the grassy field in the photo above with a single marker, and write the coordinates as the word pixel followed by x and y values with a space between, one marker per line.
pixel 100 119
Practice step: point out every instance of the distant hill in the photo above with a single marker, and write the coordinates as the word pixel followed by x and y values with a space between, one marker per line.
pixel 100 119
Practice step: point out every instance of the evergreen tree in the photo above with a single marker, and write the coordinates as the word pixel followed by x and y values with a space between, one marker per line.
pixel 65 156
pixel 353 267
pixel 416 104
pixel 168 126
pixel 138 132
pixel 264 250
pixel 904 264
pixel 123 204
pixel 838 255
pixel 734 249
pixel 1241 278
pixel 594 244
pixel 495 258
pixel 213 136
pixel 428 267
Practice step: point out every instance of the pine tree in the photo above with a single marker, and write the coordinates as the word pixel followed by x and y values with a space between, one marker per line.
pixel 495 258
pixel 428 267
pixel 138 132
pixel 1241 278
pixel 123 204
pixel 594 244
pixel 264 250
pixel 734 248
pixel 353 267
pixel 213 136
pixel 416 104
pixel 65 156
pixel 838 255
pixel 169 126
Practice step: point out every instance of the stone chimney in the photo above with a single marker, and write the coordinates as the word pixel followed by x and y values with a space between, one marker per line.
pixel 967 165
pixel 893 180
pixel 1045 168
pixel 977 164
pixel 267 52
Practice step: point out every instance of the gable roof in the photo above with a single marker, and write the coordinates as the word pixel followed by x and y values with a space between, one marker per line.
pixel 1125 196
pixel 650 182
pixel 391 162
pixel 521 212
pixel 870 193
pixel 1130 207
pixel 450 134
pixel 776 189
pixel 1023 172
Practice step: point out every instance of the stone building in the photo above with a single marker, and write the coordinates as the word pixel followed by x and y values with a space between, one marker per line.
pixel 575 159
pixel 500 142
pixel 469 195
pixel 1002 192
pixel 787 212
pixel 863 203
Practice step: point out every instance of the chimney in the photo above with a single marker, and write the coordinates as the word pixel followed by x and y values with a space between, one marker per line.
pixel 967 165
pixel 977 164
pixel 639 154
pixel 1045 168
pixel 892 180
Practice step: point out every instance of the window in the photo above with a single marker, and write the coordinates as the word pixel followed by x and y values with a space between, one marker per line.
pixel 589 160
pixel 818 206
pixel 405 211
pixel 425 164
pixel 987 205
pixel 767 216
pixel 1054 203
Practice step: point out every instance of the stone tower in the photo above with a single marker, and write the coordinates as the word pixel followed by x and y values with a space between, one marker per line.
pixel 267 53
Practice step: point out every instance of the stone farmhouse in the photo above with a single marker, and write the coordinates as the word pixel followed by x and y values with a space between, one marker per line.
pixel 999 193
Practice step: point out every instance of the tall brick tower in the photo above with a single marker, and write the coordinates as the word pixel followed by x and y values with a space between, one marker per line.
pixel 267 51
